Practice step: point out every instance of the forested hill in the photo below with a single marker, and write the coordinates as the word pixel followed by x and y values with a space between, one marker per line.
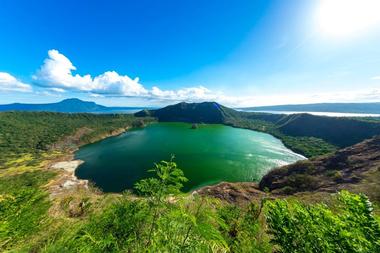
pixel 206 112
pixel 323 107
pixel 38 132
pixel 307 134
pixel 68 105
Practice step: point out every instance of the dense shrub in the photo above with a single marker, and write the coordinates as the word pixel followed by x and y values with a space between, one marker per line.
pixel 23 206
pixel 298 227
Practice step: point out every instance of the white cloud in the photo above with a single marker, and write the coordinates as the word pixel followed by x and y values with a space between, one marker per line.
pixel 376 78
pixel 10 83
pixel 188 94
pixel 60 90
pixel 112 83
pixel 48 93
pixel 56 72
pixel 94 95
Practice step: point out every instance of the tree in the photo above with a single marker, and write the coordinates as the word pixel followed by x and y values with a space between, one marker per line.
pixel 169 180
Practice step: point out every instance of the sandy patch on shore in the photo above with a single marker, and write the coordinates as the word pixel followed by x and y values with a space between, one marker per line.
pixel 69 166
pixel 66 181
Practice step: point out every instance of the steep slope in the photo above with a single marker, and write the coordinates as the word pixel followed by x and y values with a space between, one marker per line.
pixel 355 167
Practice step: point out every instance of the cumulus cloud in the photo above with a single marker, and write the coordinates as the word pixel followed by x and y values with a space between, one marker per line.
pixel 56 72
pixel 11 83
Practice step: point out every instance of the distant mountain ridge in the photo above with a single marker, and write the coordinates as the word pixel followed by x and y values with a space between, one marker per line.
pixel 372 108
pixel 71 105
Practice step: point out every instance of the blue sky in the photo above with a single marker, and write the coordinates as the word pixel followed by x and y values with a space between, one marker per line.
pixel 149 53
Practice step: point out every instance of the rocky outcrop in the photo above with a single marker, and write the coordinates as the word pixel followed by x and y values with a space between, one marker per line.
pixel 237 193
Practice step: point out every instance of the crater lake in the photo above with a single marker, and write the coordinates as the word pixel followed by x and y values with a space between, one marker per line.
pixel 207 155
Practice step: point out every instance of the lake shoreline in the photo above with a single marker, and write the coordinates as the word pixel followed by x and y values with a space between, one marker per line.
pixel 67 165
pixel 85 182
pixel 262 153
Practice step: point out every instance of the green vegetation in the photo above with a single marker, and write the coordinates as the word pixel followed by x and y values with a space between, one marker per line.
pixel 37 132
pixel 308 146
pixel 298 227
pixel 23 207
pixel 158 217
pixel 162 219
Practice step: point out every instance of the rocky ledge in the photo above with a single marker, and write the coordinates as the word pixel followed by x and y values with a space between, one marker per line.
pixel 239 193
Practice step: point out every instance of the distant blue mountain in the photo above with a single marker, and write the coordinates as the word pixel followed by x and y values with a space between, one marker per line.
pixel 323 107
pixel 71 105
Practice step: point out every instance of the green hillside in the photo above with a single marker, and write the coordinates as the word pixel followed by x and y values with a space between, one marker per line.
pixel 38 132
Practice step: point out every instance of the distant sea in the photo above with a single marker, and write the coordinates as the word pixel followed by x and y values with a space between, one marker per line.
pixel 330 114
pixel 122 111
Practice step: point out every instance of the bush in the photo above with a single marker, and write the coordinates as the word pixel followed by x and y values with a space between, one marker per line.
pixel 23 207
pixel 242 229
pixel 337 177
pixel 296 227
pixel 303 182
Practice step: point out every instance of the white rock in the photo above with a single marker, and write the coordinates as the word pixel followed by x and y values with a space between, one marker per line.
pixel 68 166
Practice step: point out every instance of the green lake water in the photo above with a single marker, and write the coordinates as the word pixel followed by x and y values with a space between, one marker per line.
pixel 207 155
